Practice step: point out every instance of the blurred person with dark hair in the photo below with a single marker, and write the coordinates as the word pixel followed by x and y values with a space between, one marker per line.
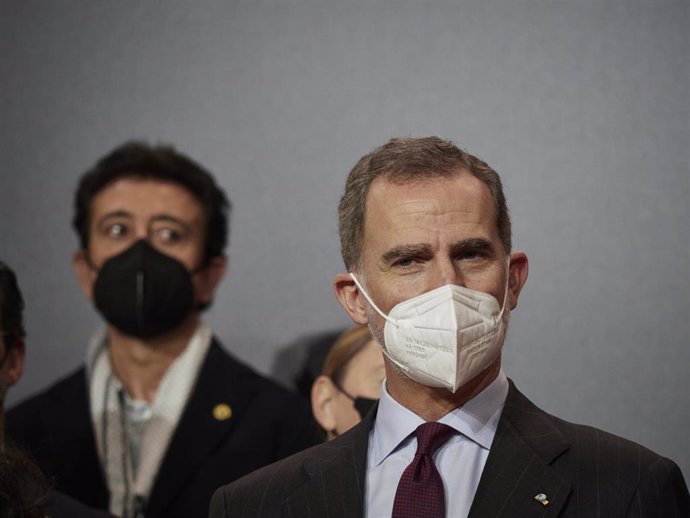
pixel 24 490
pixel 350 382
pixel 161 414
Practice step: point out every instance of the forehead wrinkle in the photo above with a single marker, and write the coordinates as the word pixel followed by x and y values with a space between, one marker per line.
pixel 439 229
pixel 437 224
pixel 425 207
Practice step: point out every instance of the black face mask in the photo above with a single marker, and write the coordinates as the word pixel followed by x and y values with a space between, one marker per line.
pixel 362 404
pixel 143 292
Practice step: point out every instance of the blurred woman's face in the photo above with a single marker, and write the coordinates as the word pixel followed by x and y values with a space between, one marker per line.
pixel 362 379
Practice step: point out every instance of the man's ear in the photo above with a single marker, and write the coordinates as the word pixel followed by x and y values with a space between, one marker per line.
pixel 517 276
pixel 350 298
pixel 322 405
pixel 15 362
pixel 85 274
pixel 210 278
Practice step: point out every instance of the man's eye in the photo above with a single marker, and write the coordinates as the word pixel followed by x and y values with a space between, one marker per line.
pixel 117 230
pixel 168 235
pixel 404 262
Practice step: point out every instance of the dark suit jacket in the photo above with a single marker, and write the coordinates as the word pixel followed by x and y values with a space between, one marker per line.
pixel 62 506
pixel 267 424
pixel 583 472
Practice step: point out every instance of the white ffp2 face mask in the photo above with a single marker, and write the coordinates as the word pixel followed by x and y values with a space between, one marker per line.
pixel 444 337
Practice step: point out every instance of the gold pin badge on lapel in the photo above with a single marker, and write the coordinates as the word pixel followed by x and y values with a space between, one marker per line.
pixel 542 499
pixel 222 412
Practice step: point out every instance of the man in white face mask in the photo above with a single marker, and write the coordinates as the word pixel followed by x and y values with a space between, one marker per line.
pixel 426 241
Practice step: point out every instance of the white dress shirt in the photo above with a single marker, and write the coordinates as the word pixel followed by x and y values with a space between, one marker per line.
pixel 460 461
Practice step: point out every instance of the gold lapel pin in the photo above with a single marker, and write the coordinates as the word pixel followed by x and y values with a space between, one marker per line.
pixel 541 498
pixel 222 412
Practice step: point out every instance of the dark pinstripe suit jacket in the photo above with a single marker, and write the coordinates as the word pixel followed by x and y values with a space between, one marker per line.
pixel 583 472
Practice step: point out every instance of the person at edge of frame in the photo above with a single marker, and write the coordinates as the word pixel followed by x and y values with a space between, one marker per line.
pixel 25 492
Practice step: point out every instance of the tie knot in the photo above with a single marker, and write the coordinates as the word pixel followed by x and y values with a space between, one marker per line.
pixel 431 436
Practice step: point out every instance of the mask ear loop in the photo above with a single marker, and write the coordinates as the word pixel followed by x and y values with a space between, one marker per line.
pixel 505 293
pixel 382 347
pixel 371 302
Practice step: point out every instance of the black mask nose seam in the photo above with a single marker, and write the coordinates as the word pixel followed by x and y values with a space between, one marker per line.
pixel 140 284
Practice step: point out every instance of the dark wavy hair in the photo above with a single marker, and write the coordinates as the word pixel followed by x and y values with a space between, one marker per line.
pixel 24 489
pixel 161 162
pixel 23 486
pixel 408 160
pixel 347 346
pixel 11 308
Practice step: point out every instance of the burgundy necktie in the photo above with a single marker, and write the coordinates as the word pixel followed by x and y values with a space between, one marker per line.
pixel 420 490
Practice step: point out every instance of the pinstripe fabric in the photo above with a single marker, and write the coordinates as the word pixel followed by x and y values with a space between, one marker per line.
pixel 539 466
pixel 323 481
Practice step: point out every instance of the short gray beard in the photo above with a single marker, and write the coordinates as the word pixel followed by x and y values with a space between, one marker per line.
pixel 377 325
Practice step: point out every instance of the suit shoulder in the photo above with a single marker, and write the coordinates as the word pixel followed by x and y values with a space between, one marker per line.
pixel 64 392
pixel 266 411
pixel 263 492
pixel 604 446
pixel 223 367
pixel 585 443
pixel 64 387
pixel 63 506
pixel 653 483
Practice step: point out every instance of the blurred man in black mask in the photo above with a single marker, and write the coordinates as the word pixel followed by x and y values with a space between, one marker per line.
pixel 160 415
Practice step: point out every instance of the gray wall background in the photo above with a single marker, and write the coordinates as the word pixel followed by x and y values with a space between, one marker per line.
pixel 582 106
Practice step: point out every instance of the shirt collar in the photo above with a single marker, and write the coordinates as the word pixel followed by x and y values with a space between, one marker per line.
pixel 477 419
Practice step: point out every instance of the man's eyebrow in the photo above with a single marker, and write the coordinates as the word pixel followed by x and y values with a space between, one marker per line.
pixel 413 250
pixel 170 219
pixel 474 244
pixel 155 219
pixel 114 214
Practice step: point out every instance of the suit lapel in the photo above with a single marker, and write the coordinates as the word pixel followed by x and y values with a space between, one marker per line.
pixel 335 481
pixel 517 479
pixel 198 433
pixel 73 443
